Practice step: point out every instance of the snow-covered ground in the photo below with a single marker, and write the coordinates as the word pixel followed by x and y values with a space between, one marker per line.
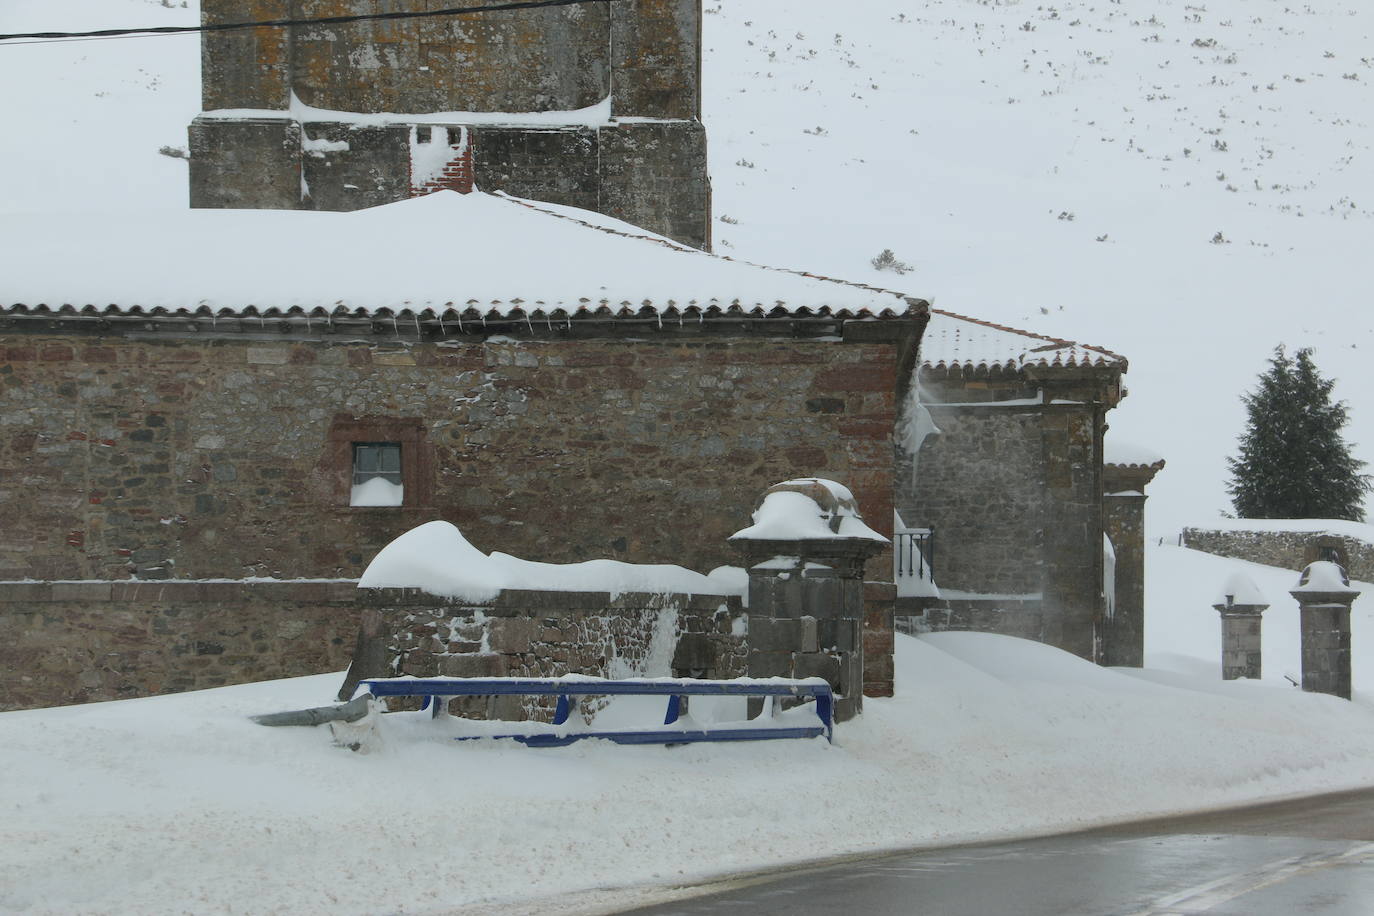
pixel 1065 168
pixel 180 804
pixel 1183 631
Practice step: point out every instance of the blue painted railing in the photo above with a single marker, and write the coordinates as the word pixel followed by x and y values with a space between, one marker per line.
pixel 674 730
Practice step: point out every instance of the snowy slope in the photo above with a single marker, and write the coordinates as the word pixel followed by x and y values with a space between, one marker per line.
pixel 180 804
pixel 1062 168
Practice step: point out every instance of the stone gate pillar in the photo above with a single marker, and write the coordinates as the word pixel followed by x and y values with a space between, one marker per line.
pixel 1325 596
pixel 1240 605
pixel 805 554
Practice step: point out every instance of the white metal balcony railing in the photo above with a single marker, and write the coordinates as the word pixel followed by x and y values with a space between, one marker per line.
pixel 913 559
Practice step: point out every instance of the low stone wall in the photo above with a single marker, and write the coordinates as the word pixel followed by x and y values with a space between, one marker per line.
pixel 547 634
pixel 1285 549
pixel 78 642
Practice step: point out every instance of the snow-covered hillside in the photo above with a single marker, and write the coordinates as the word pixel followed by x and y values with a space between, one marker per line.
pixel 1186 183
pixel 1066 168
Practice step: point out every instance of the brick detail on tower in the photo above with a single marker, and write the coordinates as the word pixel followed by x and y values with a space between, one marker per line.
pixel 446 167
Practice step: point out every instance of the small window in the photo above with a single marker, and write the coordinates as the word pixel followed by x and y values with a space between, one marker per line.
pixel 377 474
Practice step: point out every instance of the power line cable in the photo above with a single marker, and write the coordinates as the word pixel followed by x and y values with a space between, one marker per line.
pixel 279 23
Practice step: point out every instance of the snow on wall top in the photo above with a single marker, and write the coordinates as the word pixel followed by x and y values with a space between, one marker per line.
pixel 490 254
pixel 1128 454
pixel 957 341
pixel 592 116
pixel 1332 526
pixel 436 558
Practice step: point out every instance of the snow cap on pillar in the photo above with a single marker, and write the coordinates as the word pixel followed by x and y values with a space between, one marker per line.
pixel 808 509
pixel 1240 595
pixel 1324 581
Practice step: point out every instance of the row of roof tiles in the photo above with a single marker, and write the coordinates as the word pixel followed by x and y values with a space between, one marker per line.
pixel 482 228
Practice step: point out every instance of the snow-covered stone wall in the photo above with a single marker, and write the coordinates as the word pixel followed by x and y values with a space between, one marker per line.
pixel 1289 544
pixel 525 633
pixel 78 642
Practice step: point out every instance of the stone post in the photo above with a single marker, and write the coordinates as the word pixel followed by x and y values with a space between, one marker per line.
pixel 805 554
pixel 1240 605
pixel 1325 596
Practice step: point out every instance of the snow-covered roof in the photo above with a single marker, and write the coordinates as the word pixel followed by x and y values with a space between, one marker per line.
pixel 957 341
pixel 447 254
pixel 1126 454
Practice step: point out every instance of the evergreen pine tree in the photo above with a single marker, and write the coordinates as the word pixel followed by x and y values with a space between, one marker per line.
pixel 1293 461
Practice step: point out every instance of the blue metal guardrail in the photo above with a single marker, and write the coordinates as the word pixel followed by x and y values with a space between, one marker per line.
pixel 568 691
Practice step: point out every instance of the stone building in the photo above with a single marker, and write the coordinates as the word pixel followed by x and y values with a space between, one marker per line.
pixel 596 106
pixel 474 358
pixel 1008 485
pixel 223 399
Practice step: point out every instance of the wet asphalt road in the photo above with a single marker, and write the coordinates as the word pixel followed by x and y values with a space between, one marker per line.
pixel 1311 856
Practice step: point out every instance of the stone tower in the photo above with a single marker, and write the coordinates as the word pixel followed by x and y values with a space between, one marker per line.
pixel 596 106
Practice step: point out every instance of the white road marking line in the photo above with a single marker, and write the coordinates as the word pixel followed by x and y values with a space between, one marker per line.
pixel 1207 896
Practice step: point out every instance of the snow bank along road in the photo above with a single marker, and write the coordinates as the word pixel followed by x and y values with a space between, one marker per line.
pixel 179 804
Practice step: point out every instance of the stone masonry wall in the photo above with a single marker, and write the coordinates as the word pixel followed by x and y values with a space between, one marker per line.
pixel 1125 521
pixel 1012 487
pixel 649 169
pixel 652 175
pixel 549 634
pixel 981 486
pixel 645 54
pixel 78 642
pixel 1285 549
pixel 203 458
